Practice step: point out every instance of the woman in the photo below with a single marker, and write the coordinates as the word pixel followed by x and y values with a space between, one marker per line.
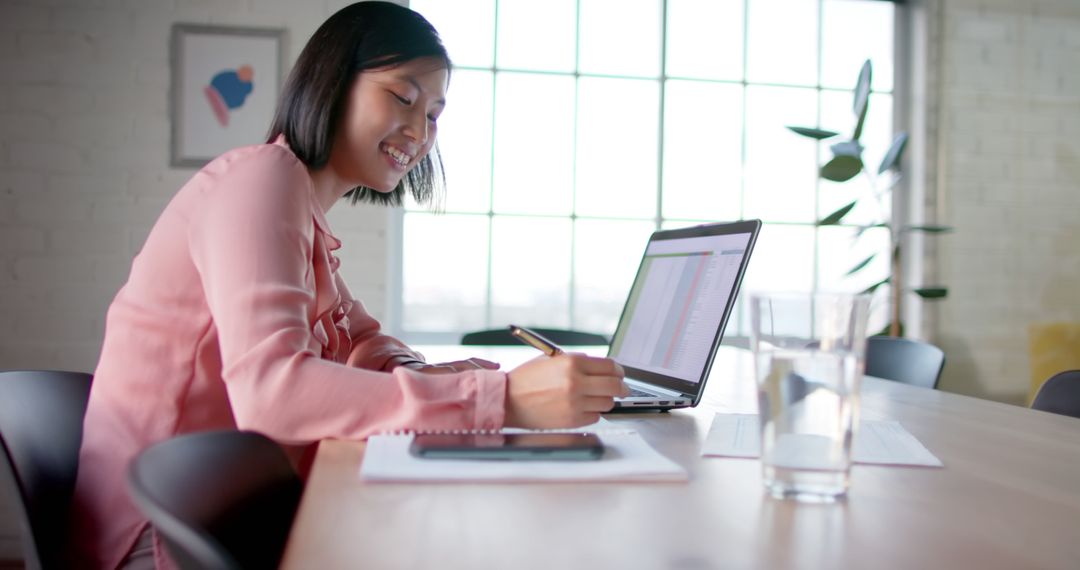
pixel 234 315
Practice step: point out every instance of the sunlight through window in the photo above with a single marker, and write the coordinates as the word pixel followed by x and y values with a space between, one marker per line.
pixel 574 128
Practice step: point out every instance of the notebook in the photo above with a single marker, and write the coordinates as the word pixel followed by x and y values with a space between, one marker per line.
pixel 674 317
pixel 627 457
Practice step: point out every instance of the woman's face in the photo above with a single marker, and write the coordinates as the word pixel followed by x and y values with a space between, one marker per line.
pixel 390 123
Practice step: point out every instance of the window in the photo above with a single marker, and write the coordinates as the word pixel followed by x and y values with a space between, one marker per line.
pixel 574 128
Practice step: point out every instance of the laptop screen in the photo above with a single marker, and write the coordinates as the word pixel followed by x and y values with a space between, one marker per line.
pixel 678 303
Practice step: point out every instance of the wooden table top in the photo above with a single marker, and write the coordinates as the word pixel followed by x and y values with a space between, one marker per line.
pixel 1008 497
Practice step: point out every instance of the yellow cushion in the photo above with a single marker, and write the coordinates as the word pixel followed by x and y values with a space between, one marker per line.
pixel 1053 348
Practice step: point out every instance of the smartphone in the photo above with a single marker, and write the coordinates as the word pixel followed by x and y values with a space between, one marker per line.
pixel 508 446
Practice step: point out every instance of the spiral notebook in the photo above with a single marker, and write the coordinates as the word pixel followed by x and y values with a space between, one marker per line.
pixel 627 457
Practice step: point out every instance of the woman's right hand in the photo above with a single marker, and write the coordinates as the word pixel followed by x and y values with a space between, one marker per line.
pixel 567 390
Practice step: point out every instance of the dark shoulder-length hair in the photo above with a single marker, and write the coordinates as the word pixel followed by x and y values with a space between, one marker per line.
pixel 362 36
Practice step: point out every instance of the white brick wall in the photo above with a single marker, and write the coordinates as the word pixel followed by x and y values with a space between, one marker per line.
pixel 84 134
pixel 1009 97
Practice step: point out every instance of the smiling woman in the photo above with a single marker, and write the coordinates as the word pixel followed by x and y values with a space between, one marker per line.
pixel 398 107
pixel 234 315
pixel 320 106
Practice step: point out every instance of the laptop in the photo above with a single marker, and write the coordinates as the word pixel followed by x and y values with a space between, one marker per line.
pixel 674 317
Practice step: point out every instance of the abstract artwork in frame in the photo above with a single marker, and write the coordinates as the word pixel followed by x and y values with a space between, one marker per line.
pixel 225 85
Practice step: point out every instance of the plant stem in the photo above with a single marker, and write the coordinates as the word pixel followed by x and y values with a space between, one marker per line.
pixel 895 286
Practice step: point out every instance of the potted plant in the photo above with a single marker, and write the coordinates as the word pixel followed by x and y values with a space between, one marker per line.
pixel 847 163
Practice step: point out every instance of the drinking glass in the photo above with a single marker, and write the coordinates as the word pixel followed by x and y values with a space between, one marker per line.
pixel 809 352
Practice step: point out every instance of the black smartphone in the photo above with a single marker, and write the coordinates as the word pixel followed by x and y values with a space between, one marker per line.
pixel 508 446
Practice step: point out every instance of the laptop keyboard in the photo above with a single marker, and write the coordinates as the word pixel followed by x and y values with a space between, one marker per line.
pixel 635 392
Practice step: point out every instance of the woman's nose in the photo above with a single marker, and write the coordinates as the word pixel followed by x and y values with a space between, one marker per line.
pixel 416 128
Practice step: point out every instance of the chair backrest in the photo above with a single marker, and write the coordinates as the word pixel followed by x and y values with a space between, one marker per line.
pixel 904 360
pixel 563 337
pixel 41 421
pixel 221 499
pixel 1060 394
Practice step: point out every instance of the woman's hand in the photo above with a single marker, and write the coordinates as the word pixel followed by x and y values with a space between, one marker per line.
pixel 455 366
pixel 568 390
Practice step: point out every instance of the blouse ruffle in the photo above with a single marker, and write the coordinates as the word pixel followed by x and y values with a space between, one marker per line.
pixel 330 325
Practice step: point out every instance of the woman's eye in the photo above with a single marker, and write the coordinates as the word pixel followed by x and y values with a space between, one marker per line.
pixel 402 100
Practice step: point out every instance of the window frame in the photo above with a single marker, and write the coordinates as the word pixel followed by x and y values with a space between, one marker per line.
pixel 903 44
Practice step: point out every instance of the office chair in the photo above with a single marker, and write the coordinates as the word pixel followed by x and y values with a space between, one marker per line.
pixel 219 500
pixel 1060 394
pixel 41 421
pixel 563 337
pixel 904 360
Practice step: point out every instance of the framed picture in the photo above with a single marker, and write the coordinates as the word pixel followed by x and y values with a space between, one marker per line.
pixel 225 84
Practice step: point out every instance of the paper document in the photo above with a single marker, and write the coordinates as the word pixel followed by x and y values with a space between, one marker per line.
pixel 883 442
pixel 627 457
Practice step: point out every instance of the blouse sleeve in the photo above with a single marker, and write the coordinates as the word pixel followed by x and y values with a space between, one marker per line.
pixel 370 348
pixel 252 245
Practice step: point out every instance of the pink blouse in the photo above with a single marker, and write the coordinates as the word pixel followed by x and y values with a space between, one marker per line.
pixel 234 317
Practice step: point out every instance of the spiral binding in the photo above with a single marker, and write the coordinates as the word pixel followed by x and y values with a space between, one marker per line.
pixel 606 431
pixel 441 432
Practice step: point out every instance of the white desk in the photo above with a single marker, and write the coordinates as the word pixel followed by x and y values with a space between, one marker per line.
pixel 1008 497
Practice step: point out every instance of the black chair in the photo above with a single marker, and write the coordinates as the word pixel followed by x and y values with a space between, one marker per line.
pixel 904 360
pixel 41 423
pixel 1060 394
pixel 218 500
pixel 562 337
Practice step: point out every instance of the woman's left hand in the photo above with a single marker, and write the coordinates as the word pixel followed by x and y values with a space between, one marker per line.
pixel 456 366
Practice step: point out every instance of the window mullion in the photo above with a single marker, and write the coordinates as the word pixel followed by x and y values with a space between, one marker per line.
pixel 814 277
pixel 572 297
pixel 660 122
pixel 491 175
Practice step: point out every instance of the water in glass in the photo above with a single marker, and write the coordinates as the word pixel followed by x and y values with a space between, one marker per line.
pixel 808 402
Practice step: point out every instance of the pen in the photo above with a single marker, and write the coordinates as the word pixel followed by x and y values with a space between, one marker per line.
pixel 535 340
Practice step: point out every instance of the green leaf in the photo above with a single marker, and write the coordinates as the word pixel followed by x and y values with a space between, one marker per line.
pixel 875 286
pixel 862 229
pixel 928 229
pixel 813 133
pixel 835 217
pixel 896 152
pixel 842 168
pixel 862 98
pixel 860 265
pixel 931 292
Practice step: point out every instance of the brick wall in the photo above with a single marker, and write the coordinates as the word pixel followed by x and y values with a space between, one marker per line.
pixel 1008 180
pixel 84 154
